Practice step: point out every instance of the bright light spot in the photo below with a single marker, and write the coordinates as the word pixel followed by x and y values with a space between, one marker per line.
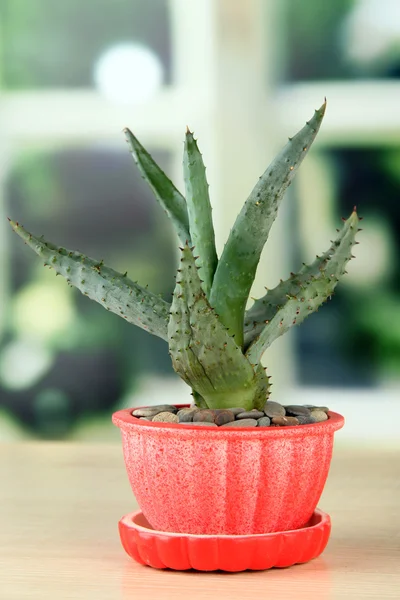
pixel 23 362
pixel 128 74
pixel 372 29
pixel 43 310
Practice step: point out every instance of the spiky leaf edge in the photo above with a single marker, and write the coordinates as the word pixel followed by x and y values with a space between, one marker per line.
pixel 203 353
pixel 310 290
pixel 169 198
pixel 237 266
pixel 113 290
pixel 199 211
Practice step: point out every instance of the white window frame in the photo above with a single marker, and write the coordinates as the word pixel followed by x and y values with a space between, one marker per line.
pixel 224 57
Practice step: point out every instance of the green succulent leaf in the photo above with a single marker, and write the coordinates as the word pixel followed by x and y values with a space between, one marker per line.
pixel 164 190
pixel 237 266
pixel 265 308
pixel 113 290
pixel 199 211
pixel 202 351
pixel 198 400
pixel 215 346
pixel 294 299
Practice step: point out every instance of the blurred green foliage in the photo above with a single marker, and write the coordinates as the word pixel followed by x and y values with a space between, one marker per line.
pixel 311 42
pixel 92 199
pixel 339 40
pixel 355 340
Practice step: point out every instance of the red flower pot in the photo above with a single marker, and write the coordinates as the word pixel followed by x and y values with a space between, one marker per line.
pixel 232 481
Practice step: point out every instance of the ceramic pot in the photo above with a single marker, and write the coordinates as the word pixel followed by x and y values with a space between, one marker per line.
pixel 229 481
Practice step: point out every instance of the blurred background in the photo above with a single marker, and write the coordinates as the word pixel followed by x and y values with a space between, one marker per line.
pixel 244 76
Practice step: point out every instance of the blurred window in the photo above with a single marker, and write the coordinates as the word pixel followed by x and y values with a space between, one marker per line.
pixel 354 340
pixel 59 348
pixel 344 39
pixel 53 44
pixel 62 356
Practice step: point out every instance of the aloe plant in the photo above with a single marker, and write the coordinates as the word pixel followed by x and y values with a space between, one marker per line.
pixel 215 345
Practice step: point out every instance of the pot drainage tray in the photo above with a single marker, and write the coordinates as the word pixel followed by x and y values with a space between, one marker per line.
pixel 180 551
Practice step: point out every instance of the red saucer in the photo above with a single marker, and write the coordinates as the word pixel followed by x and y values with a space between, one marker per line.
pixel 233 553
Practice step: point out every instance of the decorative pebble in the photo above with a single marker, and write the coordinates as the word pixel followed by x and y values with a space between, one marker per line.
pixel 278 421
pixel 145 412
pixel 165 417
pixel 274 415
pixel 292 421
pixel 312 406
pixel 236 410
pixel 223 417
pixel 274 409
pixel 151 411
pixel 250 414
pixel 319 415
pixel 242 423
pixel 284 421
pixel 201 423
pixel 305 420
pixel 294 410
pixel 185 415
pixel 204 415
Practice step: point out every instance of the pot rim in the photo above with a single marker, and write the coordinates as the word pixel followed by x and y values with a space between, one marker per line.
pixel 125 421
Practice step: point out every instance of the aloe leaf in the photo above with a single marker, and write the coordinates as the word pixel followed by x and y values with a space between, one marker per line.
pixel 199 400
pixel 295 299
pixel 170 199
pixel 265 308
pixel 202 351
pixel 114 291
pixel 199 211
pixel 237 266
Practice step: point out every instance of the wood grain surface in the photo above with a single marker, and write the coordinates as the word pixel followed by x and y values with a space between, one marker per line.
pixel 60 504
